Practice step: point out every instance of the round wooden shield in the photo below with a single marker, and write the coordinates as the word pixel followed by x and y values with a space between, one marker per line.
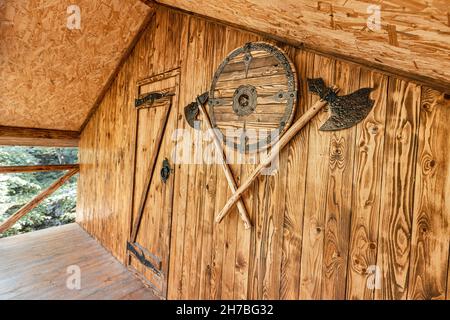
pixel 253 96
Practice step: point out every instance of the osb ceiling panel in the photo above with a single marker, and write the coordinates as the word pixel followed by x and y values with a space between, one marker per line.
pixel 50 75
pixel 408 37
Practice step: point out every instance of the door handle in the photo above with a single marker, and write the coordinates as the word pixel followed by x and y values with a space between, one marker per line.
pixel 165 170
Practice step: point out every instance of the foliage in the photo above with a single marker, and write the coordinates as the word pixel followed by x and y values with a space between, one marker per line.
pixel 17 189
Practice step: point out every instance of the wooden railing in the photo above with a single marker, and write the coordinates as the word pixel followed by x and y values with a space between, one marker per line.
pixel 73 169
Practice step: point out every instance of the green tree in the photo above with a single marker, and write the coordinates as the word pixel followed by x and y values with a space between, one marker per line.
pixel 17 189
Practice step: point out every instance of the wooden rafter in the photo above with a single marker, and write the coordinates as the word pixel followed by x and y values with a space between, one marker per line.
pixel 38 168
pixel 8 223
pixel 15 136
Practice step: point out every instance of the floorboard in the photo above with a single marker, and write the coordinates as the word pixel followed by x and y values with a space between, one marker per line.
pixel 38 265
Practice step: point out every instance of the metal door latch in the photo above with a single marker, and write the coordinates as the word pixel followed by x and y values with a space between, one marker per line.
pixel 151 97
pixel 165 170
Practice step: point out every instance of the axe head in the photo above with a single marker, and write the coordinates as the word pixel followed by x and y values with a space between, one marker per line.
pixel 191 110
pixel 346 111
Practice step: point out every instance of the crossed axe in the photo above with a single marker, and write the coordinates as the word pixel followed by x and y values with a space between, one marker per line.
pixel 345 112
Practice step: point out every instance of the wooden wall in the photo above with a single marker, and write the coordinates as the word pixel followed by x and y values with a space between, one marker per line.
pixel 342 203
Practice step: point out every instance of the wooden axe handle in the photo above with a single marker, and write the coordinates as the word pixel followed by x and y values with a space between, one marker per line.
pixel 289 134
pixel 226 169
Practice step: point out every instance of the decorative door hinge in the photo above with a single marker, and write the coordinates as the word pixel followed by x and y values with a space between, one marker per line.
pixel 151 97
pixel 143 256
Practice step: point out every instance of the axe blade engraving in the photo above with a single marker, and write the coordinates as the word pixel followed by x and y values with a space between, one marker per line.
pixel 190 113
pixel 346 111
pixel 191 110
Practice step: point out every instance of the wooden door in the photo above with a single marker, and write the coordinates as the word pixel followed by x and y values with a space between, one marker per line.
pixel 148 246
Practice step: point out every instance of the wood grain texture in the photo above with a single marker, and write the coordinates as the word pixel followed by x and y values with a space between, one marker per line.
pixel 181 188
pixel 38 168
pixel 339 194
pixel 151 122
pixel 153 233
pixel 268 195
pixel 56 83
pixel 297 163
pixel 430 226
pixel 366 195
pixel 311 263
pixel 35 266
pixel 112 129
pixel 266 160
pixel 262 71
pixel 397 195
pixel 15 136
pixel 412 37
pixel 320 223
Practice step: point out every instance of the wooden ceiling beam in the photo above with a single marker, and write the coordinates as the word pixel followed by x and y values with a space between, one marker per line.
pixel 412 39
pixel 16 136
pixel 38 168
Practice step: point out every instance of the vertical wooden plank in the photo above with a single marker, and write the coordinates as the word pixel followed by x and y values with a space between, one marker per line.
pixel 257 237
pixel 218 237
pixel 243 235
pixel 398 188
pixel 295 189
pixel 339 194
pixel 175 287
pixel 218 240
pixel 316 192
pixel 232 40
pixel 194 190
pixel 275 216
pixel 212 34
pixel 366 196
pixel 243 242
pixel 267 234
pixel 199 191
pixel 430 231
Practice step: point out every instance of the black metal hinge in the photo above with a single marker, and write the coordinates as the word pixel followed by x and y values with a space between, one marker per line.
pixel 151 97
pixel 142 257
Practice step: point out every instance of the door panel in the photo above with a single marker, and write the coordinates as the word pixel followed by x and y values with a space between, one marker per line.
pixel 149 255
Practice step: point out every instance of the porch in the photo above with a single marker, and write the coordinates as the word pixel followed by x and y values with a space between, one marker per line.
pixel 37 265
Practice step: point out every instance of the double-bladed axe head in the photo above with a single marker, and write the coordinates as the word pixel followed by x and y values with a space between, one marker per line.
pixel 346 111
pixel 191 110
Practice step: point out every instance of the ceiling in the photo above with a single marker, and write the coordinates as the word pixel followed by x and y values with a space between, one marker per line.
pixel 50 75
pixel 412 38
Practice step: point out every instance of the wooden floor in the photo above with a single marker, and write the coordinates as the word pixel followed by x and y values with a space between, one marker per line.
pixel 35 266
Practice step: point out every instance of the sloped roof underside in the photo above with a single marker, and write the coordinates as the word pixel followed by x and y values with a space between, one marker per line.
pixel 50 75
pixel 412 37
